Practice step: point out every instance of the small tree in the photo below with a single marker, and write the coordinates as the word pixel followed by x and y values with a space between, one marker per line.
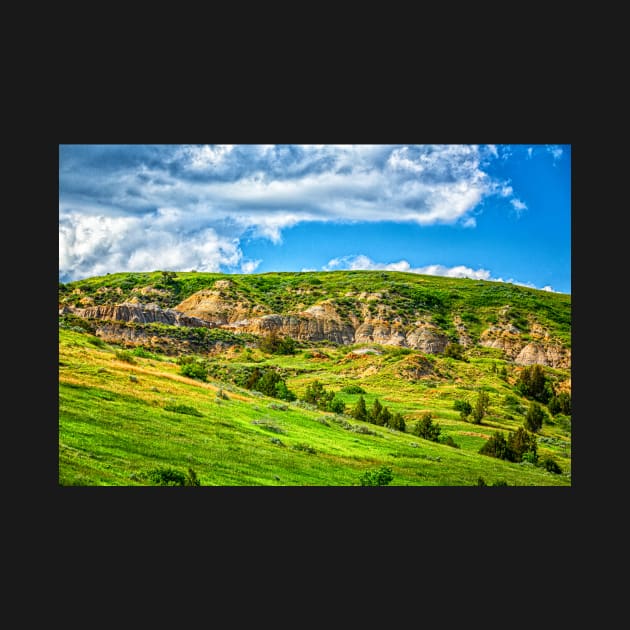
pixel 464 408
pixel 481 407
pixel 534 417
pixel 496 446
pixel 425 428
pixel 386 418
pixel 360 411
pixel 375 412
pixel 522 443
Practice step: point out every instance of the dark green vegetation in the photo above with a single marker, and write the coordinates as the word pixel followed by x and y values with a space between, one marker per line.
pixel 275 411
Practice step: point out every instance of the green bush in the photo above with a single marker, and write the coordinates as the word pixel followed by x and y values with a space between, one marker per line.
pixel 125 355
pixel 380 477
pixel 337 405
pixel 196 369
pixel 464 408
pixel 353 389
pixel 455 351
pixel 449 441
pixel 184 409
pixel 141 352
pixel 551 465
pixel 166 476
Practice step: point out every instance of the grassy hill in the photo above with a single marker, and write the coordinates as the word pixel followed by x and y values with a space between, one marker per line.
pixel 129 416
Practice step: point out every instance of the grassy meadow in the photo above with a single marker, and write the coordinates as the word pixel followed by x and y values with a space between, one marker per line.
pixel 124 413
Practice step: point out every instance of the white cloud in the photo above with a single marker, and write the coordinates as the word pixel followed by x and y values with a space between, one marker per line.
pixel 207 156
pixel 362 262
pixel 556 152
pixel 197 202
pixel 518 205
pixel 250 266
pixel 95 245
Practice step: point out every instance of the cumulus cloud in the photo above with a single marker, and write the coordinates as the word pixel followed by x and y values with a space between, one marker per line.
pixel 129 207
pixel 95 245
pixel 362 262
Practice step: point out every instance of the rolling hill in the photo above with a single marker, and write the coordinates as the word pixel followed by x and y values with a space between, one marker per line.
pixel 221 379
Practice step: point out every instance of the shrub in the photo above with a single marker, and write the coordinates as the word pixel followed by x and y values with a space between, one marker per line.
pixel 353 389
pixel 184 409
pixel 125 355
pixel 272 344
pixel 449 441
pixel 396 422
pixel 166 476
pixel 269 425
pixel 337 405
pixel 380 477
pixel 307 448
pixel 551 465
pixel 195 369
pixel 139 351
pixel 97 341
pixel 464 408
pixel 455 351
pixel 533 384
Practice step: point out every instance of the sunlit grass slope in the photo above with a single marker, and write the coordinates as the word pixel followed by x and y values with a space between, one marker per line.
pixel 119 420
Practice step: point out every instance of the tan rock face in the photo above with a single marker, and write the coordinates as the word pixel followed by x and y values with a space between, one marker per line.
pixel 426 337
pixel 371 321
pixel 212 306
pixel 505 337
pixel 142 313
pixel 544 354
pixel 542 350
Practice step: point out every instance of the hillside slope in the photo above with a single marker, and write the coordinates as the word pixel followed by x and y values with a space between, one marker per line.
pixel 425 313
pixel 129 412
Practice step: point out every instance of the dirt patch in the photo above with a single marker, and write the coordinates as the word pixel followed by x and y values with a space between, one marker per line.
pixel 485 436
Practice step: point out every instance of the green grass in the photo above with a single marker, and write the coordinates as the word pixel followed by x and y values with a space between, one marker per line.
pixel 113 430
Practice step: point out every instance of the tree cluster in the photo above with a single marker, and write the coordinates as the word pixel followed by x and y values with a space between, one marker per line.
pixel 378 414
pixel 533 384
pixel 518 443
pixel 317 395
pixel 425 428
pixel 274 344
pixel 268 382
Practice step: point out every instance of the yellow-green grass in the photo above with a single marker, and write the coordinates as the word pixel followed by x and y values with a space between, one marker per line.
pixel 113 429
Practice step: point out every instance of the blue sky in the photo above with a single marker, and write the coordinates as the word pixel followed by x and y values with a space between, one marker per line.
pixel 494 212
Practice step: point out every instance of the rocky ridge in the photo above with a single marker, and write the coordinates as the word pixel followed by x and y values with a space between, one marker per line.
pixel 371 322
